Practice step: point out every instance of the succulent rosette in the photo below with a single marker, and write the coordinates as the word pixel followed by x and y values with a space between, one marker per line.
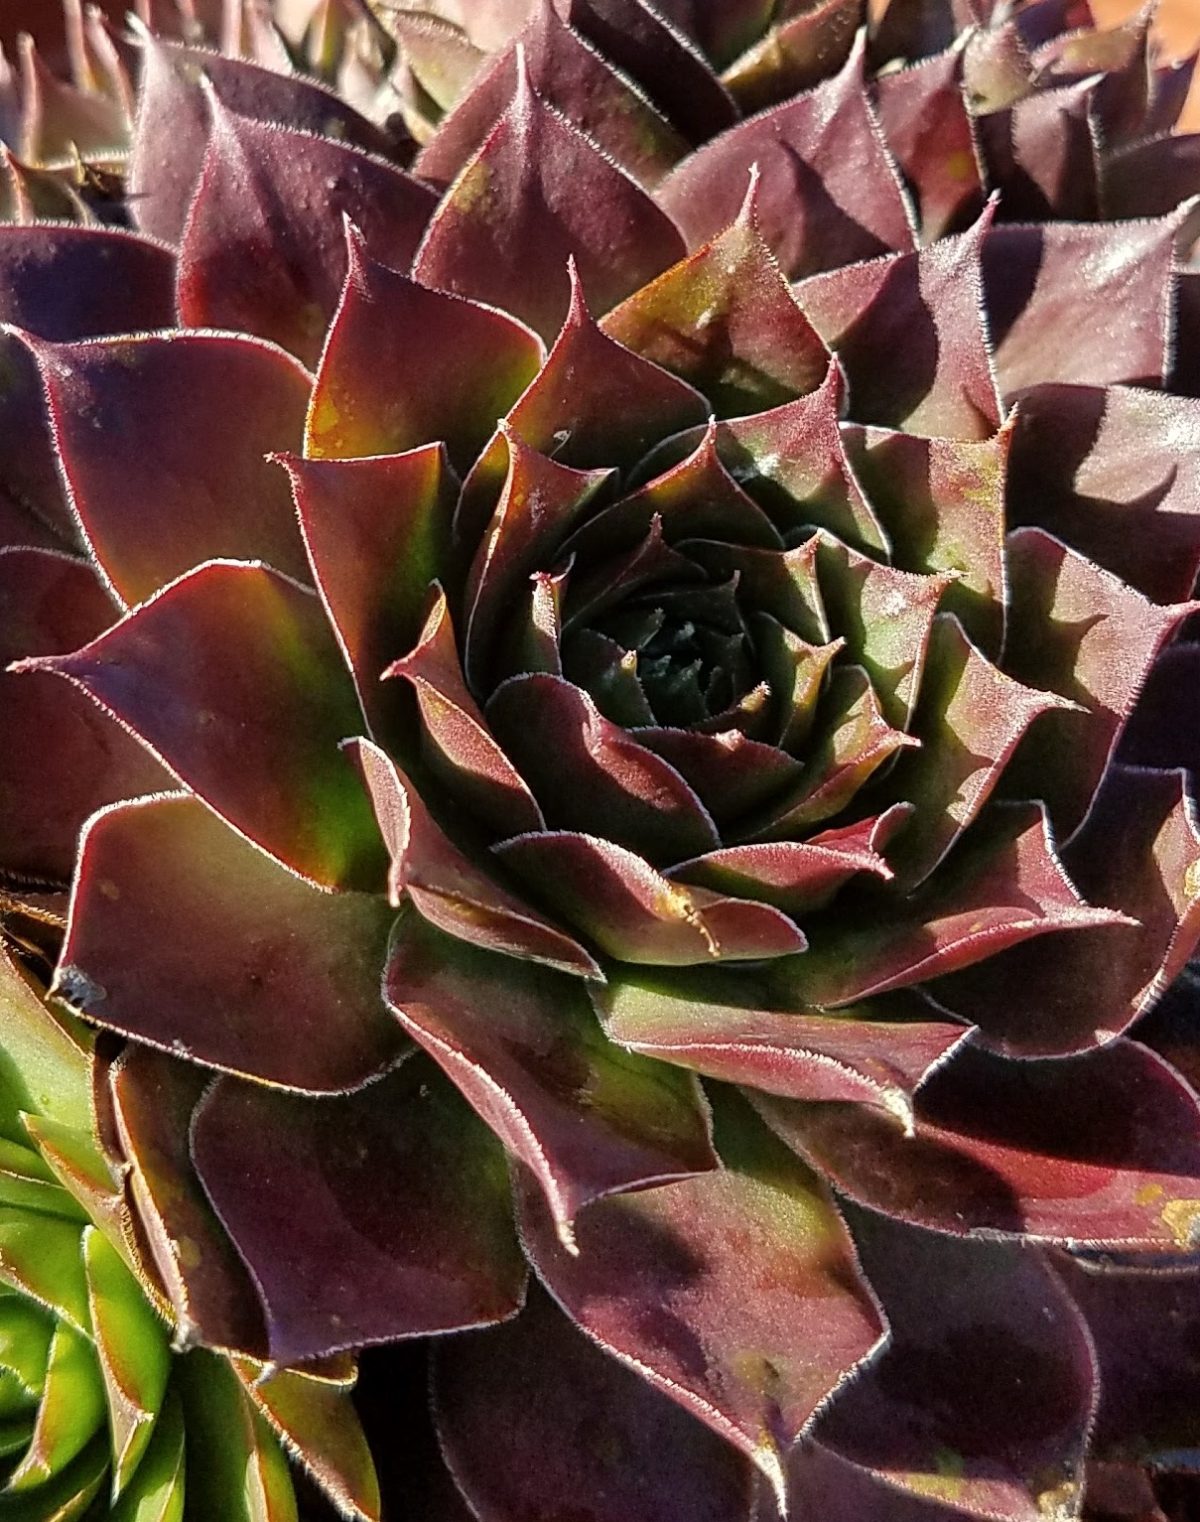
pixel 586 689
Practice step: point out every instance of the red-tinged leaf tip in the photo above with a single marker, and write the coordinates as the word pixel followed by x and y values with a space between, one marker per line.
pixel 231 678
pixel 288 990
pixel 536 194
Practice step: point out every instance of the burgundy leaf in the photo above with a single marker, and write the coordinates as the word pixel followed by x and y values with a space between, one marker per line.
pixel 910 332
pixel 729 773
pixel 1139 852
pixel 1003 885
pixel 659 1279
pixel 377 532
pixel 537 194
pixel 521 1043
pixel 874 1053
pixel 65 283
pixel 574 1422
pixel 636 914
pixel 155 502
pixel 1099 1150
pixel 1151 178
pixel 1080 632
pixel 62 758
pixel 264 249
pixel 231 678
pixel 1043 154
pixel 404 1191
pixel 1164 729
pixel 288 988
pixel 829 192
pixel 925 121
pixel 445 887
pixel 984 1395
pixel 456 742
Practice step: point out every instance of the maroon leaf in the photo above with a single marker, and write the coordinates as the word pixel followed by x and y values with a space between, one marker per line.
pixel 213 1297
pixel 970 718
pixel 1049 324
pixel 574 1422
pixel 537 194
pixel 62 758
pixel 155 502
pixel 1003 885
pixel 257 254
pixel 377 533
pixel 444 885
pixel 404 1190
pixel 456 742
pixel 725 320
pixel 1043 154
pixel 521 1043
pixel 925 121
pixel 825 1488
pixel 576 81
pixel 1102 468
pixel 876 1053
pixel 636 914
pixel 1138 852
pixel 1099 1150
pixel 984 1396
pixel 288 988
pixel 910 332
pixel 729 773
pixel 1164 729
pixel 589 774
pixel 829 192
pixel 66 283
pixel 400 368
pixel 230 677
pixel 1080 632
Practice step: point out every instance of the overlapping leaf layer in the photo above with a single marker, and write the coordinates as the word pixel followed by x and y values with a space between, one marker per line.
pixel 596 605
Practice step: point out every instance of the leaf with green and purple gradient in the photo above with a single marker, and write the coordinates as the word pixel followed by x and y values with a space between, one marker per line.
pixel 288 989
pixel 797 53
pixel 153 503
pixel 405 1191
pixel 231 677
pixel 586 1117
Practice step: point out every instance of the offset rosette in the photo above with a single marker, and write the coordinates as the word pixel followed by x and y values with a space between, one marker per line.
pixel 586 710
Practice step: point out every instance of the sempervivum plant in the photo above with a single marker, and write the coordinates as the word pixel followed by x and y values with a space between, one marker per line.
pixel 98 1416
pixel 587 693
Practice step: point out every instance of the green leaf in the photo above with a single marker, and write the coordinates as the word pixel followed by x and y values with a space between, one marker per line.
pixel 155 1492
pixel 43 1062
pixel 72 1409
pixel 25 1333
pixel 40 1255
pixel 241 1474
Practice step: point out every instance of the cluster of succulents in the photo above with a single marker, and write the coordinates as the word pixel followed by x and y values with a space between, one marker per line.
pixel 595 598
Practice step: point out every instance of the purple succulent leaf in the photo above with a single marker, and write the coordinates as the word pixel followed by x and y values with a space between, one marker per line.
pixel 523 1046
pixel 942 503
pixel 231 677
pixel 1114 475
pixel 574 1421
pixel 797 53
pixel 921 27
pixel 910 332
pixel 589 774
pixel 456 742
pixel 1043 154
pixel 985 1394
pixel 729 773
pixel 445 887
pixel 875 1053
pixel 537 194
pixel 782 586
pixel 172 125
pixel 823 1487
pixel 405 1191
pixel 152 503
pixel 829 191
pixel 659 1278
pixel 1003 885
pixel 1077 302
pixel 1095 1150
pixel 62 758
pixel 925 121
pixel 1076 630
pixel 1164 729
pixel 400 368
pixel 970 718
pixel 726 321
pixel 288 989
pixel 377 532
pixel 571 76
pixel 636 914
pixel 264 249
pixel 214 1300
pixel 1139 852
pixel 1184 373
pixel 65 283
